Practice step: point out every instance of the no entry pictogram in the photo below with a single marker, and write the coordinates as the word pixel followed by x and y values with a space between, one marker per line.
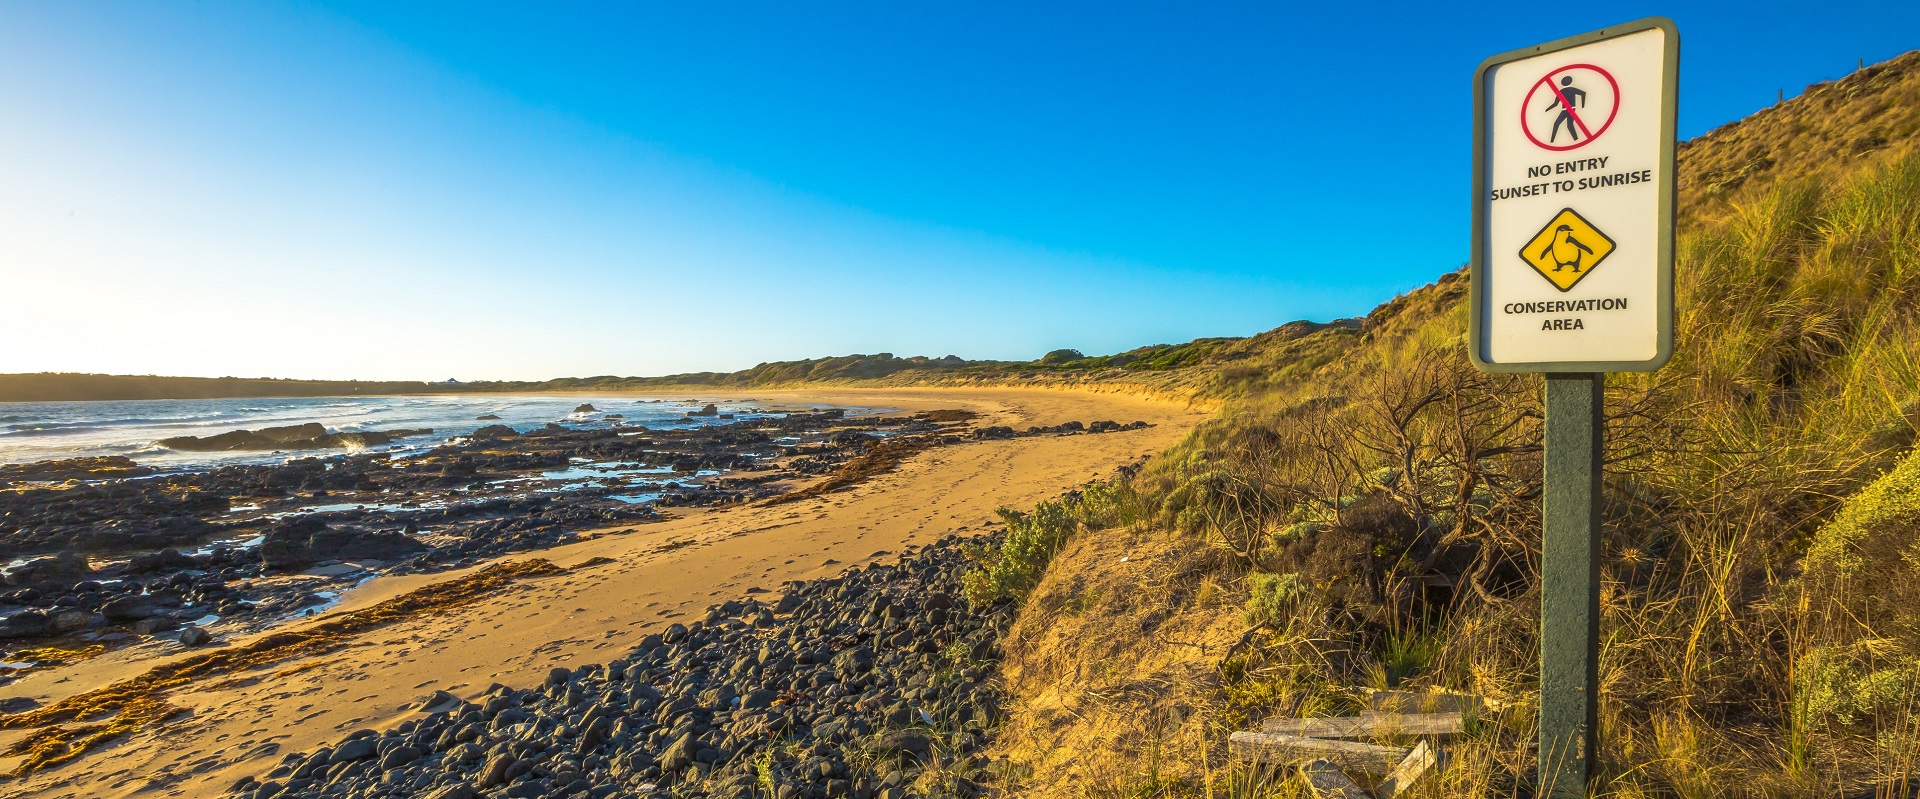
pixel 1570 106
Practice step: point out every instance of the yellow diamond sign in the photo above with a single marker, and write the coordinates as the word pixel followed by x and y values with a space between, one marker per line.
pixel 1566 249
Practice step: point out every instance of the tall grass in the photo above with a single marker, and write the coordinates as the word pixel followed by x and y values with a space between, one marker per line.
pixel 1386 505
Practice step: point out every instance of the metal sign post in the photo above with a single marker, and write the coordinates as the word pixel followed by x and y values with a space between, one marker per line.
pixel 1573 277
pixel 1570 583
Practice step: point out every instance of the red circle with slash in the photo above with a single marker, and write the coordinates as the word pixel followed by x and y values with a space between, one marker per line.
pixel 1577 119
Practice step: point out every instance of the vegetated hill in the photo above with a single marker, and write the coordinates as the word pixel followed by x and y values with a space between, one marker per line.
pixel 837 369
pixel 1207 367
pixel 1821 134
pixel 1373 521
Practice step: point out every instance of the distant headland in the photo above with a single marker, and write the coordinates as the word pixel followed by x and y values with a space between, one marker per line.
pixel 1150 364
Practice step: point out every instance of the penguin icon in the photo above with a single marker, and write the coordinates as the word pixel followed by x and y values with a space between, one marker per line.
pixel 1564 249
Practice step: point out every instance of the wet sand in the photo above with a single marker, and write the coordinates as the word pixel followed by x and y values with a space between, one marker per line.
pixel 660 573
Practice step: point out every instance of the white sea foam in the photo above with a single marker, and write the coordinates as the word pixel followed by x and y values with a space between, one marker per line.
pixel 31 431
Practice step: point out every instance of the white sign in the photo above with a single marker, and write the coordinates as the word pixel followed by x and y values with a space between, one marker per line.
pixel 1573 213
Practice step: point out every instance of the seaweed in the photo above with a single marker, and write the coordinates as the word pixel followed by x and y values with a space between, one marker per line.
pixel 67 729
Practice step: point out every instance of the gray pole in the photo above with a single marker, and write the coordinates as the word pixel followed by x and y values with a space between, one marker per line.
pixel 1570 584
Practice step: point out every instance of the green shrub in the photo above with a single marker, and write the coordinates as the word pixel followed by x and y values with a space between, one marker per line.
pixel 1866 560
pixel 1835 688
pixel 1887 508
pixel 1273 598
pixel 1010 569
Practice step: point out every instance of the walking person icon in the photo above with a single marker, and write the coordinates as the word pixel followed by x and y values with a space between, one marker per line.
pixel 1565 99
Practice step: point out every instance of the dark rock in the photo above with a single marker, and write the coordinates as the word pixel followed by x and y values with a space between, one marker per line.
pixel 308 540
pixel 457 791
pixel 128 608
pixel 439 702
pixel 311 435
pixel 26 624
pixel 584 408
pixel 67 621
pixel 65 567
pixel 398 756
pixel 493 431
pixel 758 699
pixel 494 771
pixel 356 749
pixel 194 636
pixel 18 704
pixel 678 755
pixel 289 437
pixel 853 662
pixel 99 468
pixel 906 742
pixel 149 626
pixel 164 560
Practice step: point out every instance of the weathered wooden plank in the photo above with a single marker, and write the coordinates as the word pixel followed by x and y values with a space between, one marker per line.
pixel 1423 760
pixel 1370 725
pixel 1275 748
pixel 1425 702
pixel 1327 781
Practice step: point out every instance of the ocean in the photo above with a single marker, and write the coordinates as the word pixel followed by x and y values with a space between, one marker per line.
pixel 34 431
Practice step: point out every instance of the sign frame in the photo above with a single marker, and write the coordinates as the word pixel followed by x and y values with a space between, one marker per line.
pixel 1668 201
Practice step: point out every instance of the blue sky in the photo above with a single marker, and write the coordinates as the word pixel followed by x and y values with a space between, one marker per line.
pixel 432 190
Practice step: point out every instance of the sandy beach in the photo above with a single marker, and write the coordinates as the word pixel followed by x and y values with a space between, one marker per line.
pixel 638 583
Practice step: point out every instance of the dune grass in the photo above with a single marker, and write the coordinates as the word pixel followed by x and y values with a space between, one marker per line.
pixel 1372 521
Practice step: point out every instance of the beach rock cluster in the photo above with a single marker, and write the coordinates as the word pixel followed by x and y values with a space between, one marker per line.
pixel 309 539
pixel 303 436
pixel 107 515
pixel 999 432
pixel 100 468
pixel 872 685
pixel 152 594
pixel 465 533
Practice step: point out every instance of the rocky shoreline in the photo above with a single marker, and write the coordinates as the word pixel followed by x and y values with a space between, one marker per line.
pixel 870 685
pixel 107 554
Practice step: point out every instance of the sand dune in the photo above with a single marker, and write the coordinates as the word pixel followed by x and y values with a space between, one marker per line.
pixel 658 573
